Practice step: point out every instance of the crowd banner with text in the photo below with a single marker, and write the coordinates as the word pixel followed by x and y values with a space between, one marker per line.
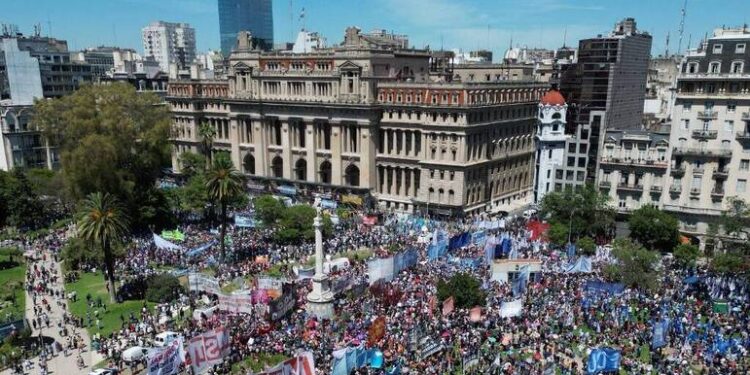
pixel 208 349
pixel 301 364
pixel 163 244
pixel 511 309
pixel 603 360
pixel 236 303
pixel 273 286
pixel 201 249
pixel 659 333
pixel 380 269
pixel 199 282
pixel 243 222
pixel 167 360
pixel 281 306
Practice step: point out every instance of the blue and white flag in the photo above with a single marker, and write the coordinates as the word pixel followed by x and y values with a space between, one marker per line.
pixel 603 360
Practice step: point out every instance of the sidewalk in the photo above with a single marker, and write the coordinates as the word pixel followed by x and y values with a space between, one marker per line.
pixel 59 364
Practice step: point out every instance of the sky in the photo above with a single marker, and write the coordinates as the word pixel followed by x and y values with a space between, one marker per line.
pixel 462 24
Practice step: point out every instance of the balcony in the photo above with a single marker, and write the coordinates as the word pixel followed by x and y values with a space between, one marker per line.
pixel 707 152
pixel 742 136
pixel 675 189
pixel 605 184
pixel 695 191
pixel 698 170
pixel 689 227
pixel 645 163
pixel 720 174
pixel 690 210
pixel 678 170
pixel 705 134
pixel 627 187
pixel 708 115
pixel 717 193
pixel 656 188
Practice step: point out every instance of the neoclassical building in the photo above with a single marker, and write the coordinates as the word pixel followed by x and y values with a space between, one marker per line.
pixel 365 118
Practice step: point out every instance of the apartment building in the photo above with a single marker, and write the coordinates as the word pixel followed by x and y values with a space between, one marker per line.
pixel 633 167
pixel 710 135
pixel 169 43
pixel 364 117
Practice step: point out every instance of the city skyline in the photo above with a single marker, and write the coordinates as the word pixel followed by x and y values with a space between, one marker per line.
pixel 467 24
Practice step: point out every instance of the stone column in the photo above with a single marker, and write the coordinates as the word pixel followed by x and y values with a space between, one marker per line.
pixel 386 141
pixel 414 182
pixel 367 150
pixel 286 149
pixel 260 140
pixel 234 143
pixel 311 147
pixel 336 162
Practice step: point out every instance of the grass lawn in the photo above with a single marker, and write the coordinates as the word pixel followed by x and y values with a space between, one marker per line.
pixel 93 283
pixel 257 363
pixel 11 284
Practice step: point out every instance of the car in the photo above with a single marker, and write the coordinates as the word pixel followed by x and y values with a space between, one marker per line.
pixel 105 371
pixel 165 338
pixel 134 354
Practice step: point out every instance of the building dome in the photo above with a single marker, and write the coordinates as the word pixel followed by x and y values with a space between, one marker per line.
pixel 553 97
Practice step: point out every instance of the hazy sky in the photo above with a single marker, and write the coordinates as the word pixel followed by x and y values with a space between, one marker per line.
pixel 465 24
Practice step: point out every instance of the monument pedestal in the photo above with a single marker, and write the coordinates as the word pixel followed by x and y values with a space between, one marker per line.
pixel 320 299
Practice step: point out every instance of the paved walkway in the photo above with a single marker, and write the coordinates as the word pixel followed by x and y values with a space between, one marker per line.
pixel 59 363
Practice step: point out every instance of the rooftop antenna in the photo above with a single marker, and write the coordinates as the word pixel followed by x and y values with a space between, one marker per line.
pixel 441 41
pixel 690 39
pixel 291 20
pixel 682 27
pixel 37 30
pixel 302 18
pixel 565 36
pixel 666 48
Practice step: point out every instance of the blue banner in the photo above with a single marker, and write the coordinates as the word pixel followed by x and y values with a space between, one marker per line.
pixel 596 286
pixel 519 285
pixel 243 222
pixel 603 360
pixel 287 190
pixel 659 334
pixel 404 260
pixel 479 238
pixel 327 203
pixel 200 249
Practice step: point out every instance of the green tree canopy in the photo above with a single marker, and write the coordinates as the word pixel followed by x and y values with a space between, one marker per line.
pixel 654 229
pixel 730 264
pixel 192 163
pixel 296 224
pixel 558 234
pixel 268 208
pixel 465 289
pixel 635 265
pixel 20 206
pixel 585 209
pixel 111 139
pixel 685 255
pixel 586 246
pixel 224 184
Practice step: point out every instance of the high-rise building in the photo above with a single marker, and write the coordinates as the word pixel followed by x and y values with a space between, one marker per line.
pixel 710 133
pixel 365 118
pixel 255 16
pixel 610 76
pixel 550 142
pixel 169 43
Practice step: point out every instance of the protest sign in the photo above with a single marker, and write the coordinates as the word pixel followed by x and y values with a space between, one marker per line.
pixel 603 360
pixel 199 282
pixel 167 360
pixel 236 303
pixel 209 349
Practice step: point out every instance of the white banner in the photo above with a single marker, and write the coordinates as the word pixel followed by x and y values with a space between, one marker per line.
pixel 199 282
pixel 209 349
pixel 167 360
pixel 270 283
pixel 236 303
pixel 511 309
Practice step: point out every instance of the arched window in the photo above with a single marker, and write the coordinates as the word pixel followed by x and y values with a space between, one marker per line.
pixel 556 115
pixel 451 196
pixel 300 169
pixel 277 167
pixel 325 172
pixel 352 175
pixel 248 164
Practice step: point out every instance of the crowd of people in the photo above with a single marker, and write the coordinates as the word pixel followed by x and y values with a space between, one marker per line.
pixel 561 323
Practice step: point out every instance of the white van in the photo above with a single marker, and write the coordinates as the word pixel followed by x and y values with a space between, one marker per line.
pixel 336 265
pixel 134 354
pixel 165 338
pixel 208 312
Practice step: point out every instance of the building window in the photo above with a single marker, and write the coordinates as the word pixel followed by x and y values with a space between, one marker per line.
pixel 686 124
pixel 687 107
pixel 714 67
pixel 739 48
pixel 718 48
pixel 741 185
pixel 731 107
pixel 693 67
pixel 744 164
pixel 737 67
pixel 571 162
pixel 728 125
pixel 572 148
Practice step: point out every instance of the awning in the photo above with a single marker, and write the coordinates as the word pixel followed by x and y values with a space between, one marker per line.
pixel 287 190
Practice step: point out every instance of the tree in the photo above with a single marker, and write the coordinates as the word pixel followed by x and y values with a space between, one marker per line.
pixel 586 246
pixel 735 222
pixel 584 210
pixel 77 253
pixel 465 289
pixel 730 264
pixel 685 255
pixel 11 252
pixel 558 234
pixel 25 208
pixel 654 229
pixel 192 163
pixel 224 183
pixel 296 224
pixel 635 265
pixel 162 288
pixel 103 221
pixel 111 139
pixel 268 208
pixel 207 134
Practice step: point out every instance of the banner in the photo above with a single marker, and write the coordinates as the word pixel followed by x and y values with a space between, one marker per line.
pixel 236 303
pixel 659 334
pixel 428 347
pixel 519 285
pixel 376 332
pixel 166 361
pixel 198 282
pixel 347 359
pixel 380 269
pixel 302 364
pixel 603 360
pixel 475 314
pixel 342 283
pixel 208 349
pixel 596 286
pixel 174 235
pixel 281 306
pixel 448 306
pixel 479 238
pixel 404 260
pixel 201 249
pixel 511 309
pixel 271 285
pixel 164 244
pixel 243 222
pixel 582 265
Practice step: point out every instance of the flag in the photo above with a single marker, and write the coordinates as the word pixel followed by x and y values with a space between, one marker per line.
pixel 475 315
pixel 448 306
pixel 519 285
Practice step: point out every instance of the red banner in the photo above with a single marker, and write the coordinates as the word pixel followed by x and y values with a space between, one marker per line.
pixel 475 315
pixel 448 306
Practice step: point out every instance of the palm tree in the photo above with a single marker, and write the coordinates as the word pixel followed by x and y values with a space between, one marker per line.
pixel 103 221
pixel 224 182
pixel 207 134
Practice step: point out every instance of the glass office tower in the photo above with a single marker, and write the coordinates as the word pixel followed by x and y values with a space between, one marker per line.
pixel 255 16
